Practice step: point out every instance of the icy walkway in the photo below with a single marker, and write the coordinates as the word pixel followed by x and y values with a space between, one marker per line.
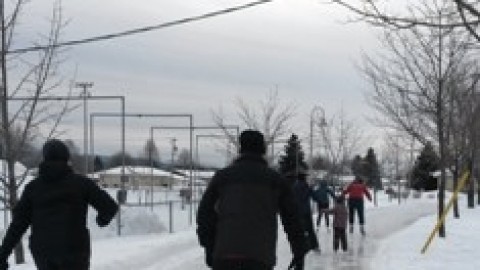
pixel 181 250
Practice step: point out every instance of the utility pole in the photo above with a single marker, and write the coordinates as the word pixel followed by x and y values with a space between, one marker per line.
pixel 397 173
pixel 85 94
pixel 174 150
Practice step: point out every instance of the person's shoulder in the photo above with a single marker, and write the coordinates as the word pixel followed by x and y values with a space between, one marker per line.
pixel 31 185
pixel 81 179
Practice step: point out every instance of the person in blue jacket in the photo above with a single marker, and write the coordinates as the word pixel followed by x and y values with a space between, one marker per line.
pixel 323 192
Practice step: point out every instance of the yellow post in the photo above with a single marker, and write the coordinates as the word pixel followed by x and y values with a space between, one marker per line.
pixel 461 184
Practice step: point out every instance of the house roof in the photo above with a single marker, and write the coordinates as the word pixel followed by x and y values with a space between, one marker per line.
pixel 140 170
pixel 200 174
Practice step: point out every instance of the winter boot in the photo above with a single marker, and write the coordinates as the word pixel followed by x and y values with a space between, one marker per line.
pixel 362 230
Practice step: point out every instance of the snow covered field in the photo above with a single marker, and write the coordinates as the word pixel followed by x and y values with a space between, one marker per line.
pixel 395 234
pixel 457 251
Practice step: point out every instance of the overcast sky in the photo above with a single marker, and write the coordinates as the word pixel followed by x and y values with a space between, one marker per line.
pixel 302 48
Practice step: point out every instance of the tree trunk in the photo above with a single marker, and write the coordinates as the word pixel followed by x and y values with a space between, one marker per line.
pixel 471 183
pixel 12 185
pixel 13 199
pixel 456 213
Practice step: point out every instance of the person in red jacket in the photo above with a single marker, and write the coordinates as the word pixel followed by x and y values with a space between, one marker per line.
pixel 356 192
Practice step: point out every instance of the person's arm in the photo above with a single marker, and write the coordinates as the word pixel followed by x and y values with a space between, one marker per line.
pixel 331 193
pixel 207 218
pixel 102 202
pixel 291 220
pixel 21 220
pixel 347 190
pixel 313 194
pixel 367 193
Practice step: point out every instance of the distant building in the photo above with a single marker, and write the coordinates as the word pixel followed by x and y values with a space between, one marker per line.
pixel 138 176
pixel 200 177
pixel 449 179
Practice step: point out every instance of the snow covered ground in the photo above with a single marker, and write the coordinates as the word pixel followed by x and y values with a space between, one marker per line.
pixel 395 234
pixel 457 251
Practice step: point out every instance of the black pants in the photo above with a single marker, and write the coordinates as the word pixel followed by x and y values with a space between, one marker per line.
pixel 43 263
pixel 240 264
pixel 339 237
pixel 323 206
pixel 356 205
pixel 309 231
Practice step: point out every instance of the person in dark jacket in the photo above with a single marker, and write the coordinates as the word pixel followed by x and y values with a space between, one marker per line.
pixel 356 191
pixel 55 206
pixel 304 194
pixel 237 215
pixel 323 192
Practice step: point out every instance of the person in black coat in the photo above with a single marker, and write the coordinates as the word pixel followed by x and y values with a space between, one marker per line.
pixel 55 206
pixel 237 215
pixel 305 194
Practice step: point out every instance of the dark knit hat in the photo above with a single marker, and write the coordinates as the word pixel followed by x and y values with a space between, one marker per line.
pixel 252 141
pixel 55 150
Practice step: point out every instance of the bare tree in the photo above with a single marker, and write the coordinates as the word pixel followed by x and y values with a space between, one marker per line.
pixel 341 138
pixel 183 159
pixel 269 116
pixel 407 14
pixel 37 77
pixel 76 159
pixel 117 160
pixel 413 84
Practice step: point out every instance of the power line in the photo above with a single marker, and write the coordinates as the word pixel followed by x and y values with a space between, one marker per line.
pixel 142 29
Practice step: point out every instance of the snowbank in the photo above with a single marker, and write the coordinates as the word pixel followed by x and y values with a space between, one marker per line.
pixel 456 251
pixel 135 221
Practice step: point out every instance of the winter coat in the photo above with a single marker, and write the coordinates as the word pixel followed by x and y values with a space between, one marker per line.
pixel 55 206
pixel 304 194
pixel 340 215
pixel 356 190
pixel 322 192
pixel 237 215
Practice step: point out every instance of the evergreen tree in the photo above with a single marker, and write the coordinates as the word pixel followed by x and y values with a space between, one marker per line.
pixel 293 157
pixel 357 166
pixel 425 165
pixel 371 169
pixel 149 151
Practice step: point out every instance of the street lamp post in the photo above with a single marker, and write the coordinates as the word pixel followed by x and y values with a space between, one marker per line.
pixel 85 95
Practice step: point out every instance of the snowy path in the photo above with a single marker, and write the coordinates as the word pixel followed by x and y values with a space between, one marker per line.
pixel 181 250
pixel 381 222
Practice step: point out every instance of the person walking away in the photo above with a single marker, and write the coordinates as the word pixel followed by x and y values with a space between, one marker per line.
pixel 237 215
pixel 323 192
pixel 304 194
pixel 55 206
pixel 340 216
pixel 356 192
